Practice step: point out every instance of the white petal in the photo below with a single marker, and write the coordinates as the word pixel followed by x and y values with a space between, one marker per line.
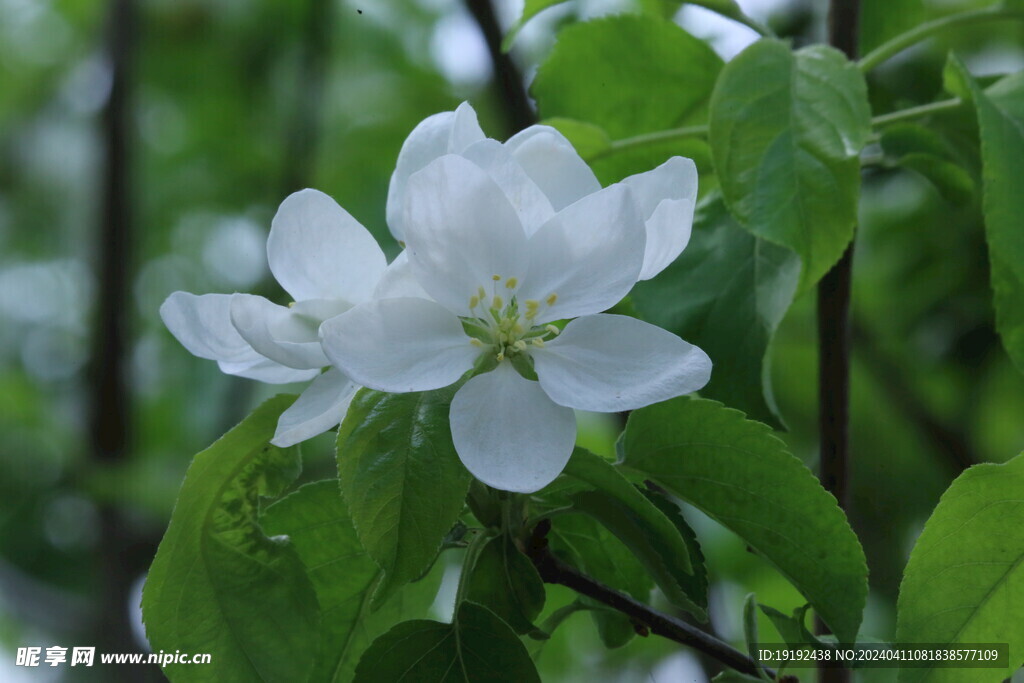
pixel 265 370
pixel 203 326
pixel 398 281
pixel 318 251
pixel 461 231
pixel 531 205
pixel 399 345
pixel 508 433
pixel 553 163
pixel 321 406
pixel 278 332
pixel 589 255
pixel 666 197
pixel 609 363
pixel 449 132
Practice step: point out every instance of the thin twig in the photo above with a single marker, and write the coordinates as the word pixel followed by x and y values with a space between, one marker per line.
pixel 930 28
pixel 554 570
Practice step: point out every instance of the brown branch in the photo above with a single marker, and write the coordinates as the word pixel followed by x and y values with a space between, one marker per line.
pixel 834 335
pixel 508 79
pixel 645 618
pixel 121 555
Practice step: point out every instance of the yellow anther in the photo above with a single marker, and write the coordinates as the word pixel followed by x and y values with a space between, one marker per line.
pixel 473 301
pixel 519 345
pixel 497 303
pixel 552 298
pixel 532 304
pixel 517 329
pixel 500 356
pixel 476 342
pixel 530 315
pixel 290 304
pixel 538 342
pixel 481 293
pixel 511 283
pixel 496 278
pixel 552 330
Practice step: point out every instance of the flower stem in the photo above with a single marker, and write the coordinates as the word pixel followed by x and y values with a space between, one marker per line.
pixel 917 112
pixel 930 28
pixel 650 139
pixel 468 563
pixel 670 134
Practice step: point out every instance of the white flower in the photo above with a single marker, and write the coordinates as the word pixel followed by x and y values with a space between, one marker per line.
pixel 328 263
pixel 502 265
pixel 541 174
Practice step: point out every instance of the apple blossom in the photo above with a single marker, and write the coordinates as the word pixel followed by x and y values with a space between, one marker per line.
pixel 503 266
pixel 541 174
pixel 327 262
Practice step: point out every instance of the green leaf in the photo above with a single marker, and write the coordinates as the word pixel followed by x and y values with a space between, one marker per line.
pixel 951 180
pixel 924 151
pixel 881 20
pixel 1001 122
pixel 506 582
pixel 589 140
pixel 790 627
pixel 964 582
pixel 217 583
pixel 636 521
pixel 603 476
pixel 738 288
pixel 750 634
pixel 955 78
pixel 740 474
pixel 786 131
pixel 476 646
pixel 531 8
pixel 316 520
pixel 581 541
pixel 648 547
pixel 402 480
pixel 580 81
pixel 901 139
pixel 694 585
pixel 614 629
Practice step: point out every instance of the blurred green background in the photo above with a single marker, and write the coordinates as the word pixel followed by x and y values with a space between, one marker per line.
pixel 145 154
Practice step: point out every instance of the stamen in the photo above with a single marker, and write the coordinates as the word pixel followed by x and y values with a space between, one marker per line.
pixel 538 342
pixel 481 294
pixel 497 303
pixel 552 329
pixel 520 345
pixel 496 278
pixel 290 304
pixel 476 342
pixel 500 356
pixel 473 302
pixel 517 329
pixel 532 304
pixel 511 283
pixel 552 298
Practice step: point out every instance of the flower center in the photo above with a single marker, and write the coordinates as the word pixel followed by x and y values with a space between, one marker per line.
pixel 503 328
